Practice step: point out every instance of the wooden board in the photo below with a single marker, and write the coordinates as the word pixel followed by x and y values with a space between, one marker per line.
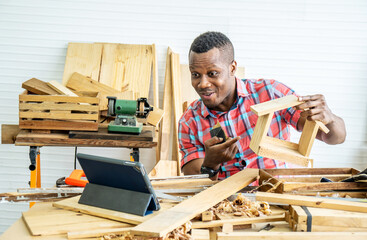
pixel 55 85
pixel 97 232
pixel 165 222
pixel 311 171
pixel 177 106
pixel 317 202
pixel 322 186
pixel 166 123
pixel 164 168
pixel 84 58
pixel 275 105
pixel 37 86
pixel 291 236
pixel 73 205
pixel 48 220
pixel 26 138
pixel 145 135
pixel 155 116
pixel 127 67
pixel 9 133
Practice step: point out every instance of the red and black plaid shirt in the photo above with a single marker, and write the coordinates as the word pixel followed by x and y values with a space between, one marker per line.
pixel 196 122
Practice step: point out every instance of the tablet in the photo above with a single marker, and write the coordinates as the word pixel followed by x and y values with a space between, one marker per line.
pixel 118 174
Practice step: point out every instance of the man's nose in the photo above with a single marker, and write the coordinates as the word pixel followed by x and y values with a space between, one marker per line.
pixel 204 82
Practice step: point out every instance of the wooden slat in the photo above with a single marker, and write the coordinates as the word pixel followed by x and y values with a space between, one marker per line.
pixel 261 129
pixel 84 58
pixel 291 235
pixel 9 133
pixel 60 116
pixel 145 135
pixel 324 186
pixel 166 123
pixel 55 106
pixel 79 82
pixel 237 221
pixel 275 105
pixel 309 171
pixel 37 86
pixel 167 221
pixel 308 136
pixel 60 99
pixel 312 202
pixel 189 183
pixel 155 77
pixel 177 105
pixel 127 67
pixel 55 85
pixel 59 125
pixel 73 205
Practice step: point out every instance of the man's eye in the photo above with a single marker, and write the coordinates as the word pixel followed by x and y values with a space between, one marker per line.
pixel 194 75
pixel 213 74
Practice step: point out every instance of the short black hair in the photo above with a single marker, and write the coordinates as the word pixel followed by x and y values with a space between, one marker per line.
pixel 209 40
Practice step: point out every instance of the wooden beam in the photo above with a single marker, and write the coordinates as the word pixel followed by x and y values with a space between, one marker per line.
pixel 291 235
pixel 165 222
pixel 308 136
pixel 317 202
pixel 275 105
pixel 261 129
pixel 155 77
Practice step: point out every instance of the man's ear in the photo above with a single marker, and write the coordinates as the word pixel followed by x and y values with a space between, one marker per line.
pixel 233 68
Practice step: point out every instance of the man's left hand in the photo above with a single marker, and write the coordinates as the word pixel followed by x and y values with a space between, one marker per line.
pixel 315 108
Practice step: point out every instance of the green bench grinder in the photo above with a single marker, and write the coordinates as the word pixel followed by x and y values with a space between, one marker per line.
pixel 126 112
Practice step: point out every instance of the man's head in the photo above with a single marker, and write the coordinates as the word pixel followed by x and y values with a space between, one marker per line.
pixel 212 67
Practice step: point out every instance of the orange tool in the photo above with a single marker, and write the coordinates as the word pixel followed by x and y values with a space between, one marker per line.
pixel 75 178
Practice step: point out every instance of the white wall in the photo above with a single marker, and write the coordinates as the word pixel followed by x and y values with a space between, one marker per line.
pixel 313 46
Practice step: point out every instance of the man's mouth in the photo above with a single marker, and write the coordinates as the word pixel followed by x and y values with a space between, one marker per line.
pixel 206 95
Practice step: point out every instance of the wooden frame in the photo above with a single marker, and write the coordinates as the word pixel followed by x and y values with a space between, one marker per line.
pixel 279 149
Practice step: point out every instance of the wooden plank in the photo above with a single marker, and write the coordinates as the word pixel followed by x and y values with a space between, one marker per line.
pixel 308 136
pixel 167 221
pixel 261 129
pixel 25 138
pixel 200 234
pixel 145 135
pixel 268 182
pixel 281 142
pixel 166 123
pixel 164 168
pixel 60 99
pixel 324 186
pixel 55 85
pixel 310 171
pixel 37 86
pixel 97 233
pixel 177 106
pixel 59 116
pixel 58 125
pixel 127 67
pixel 310 179
pixel 341 194
pixel 57 107
pixel 47 220
pixel 155 117
pixel 9 133
pixel 180 183
pixel 237 221
pixel 155 77
pixel 320 228
pixel 291 235
pixel 271 149
pixel 317 202
pixel 84 58
pixel 73 205
pixel 275 105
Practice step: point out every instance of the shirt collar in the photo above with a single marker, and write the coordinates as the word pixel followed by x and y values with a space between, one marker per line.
pixel 241 92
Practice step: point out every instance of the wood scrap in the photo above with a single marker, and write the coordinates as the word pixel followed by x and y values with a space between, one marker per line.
pixel 155 116
pixel 37 86
pixel 9 133
pixel 166 221
pixel 61 89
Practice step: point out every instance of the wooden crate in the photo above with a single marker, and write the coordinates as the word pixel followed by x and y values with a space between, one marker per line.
pixel 306 181
pixel 58 112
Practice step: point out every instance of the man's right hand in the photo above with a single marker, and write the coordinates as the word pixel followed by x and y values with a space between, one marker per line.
pixel 215 153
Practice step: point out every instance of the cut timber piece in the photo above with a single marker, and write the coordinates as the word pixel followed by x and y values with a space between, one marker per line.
pixel 155 77
pixel 84 58
pixel 207 216
pixel 73 205
pixel 166 123
pixel 322 186
pixel 307 138
pixel 165 222
pixel 61 89
pixel 317 202
pixel 37 86
pixel 177 106
pixel 279 151
pixel 237 221
pixel 200 234
pixel 164 168
pixel 227 228
pixel 291 235
pixel 47 220
pixel 275 105
pixel 263 122
pixel 127 67
pixel 155 117
pixel 318 228
pixel 9 133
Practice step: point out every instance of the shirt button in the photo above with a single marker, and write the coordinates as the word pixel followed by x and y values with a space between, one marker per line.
pixel 243 162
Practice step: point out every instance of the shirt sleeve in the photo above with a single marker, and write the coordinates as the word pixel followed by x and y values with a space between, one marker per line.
pixel 290 115
pixel 190 147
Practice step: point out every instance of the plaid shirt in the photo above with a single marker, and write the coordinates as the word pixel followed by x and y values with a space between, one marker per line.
pixel 196 122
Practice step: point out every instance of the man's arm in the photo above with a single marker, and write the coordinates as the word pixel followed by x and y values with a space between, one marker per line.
pixel 315 108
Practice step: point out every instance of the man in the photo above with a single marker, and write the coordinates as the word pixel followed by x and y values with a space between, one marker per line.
pixel 227 100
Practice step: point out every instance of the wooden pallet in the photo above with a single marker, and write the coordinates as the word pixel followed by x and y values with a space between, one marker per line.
pixel 57 112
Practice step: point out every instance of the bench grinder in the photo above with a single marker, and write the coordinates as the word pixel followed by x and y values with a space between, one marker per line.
pixel 126 112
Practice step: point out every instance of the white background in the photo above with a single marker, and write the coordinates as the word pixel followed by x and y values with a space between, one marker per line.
pixel 312 46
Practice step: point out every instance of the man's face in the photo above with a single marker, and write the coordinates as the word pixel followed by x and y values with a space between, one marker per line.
pixel 212 76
